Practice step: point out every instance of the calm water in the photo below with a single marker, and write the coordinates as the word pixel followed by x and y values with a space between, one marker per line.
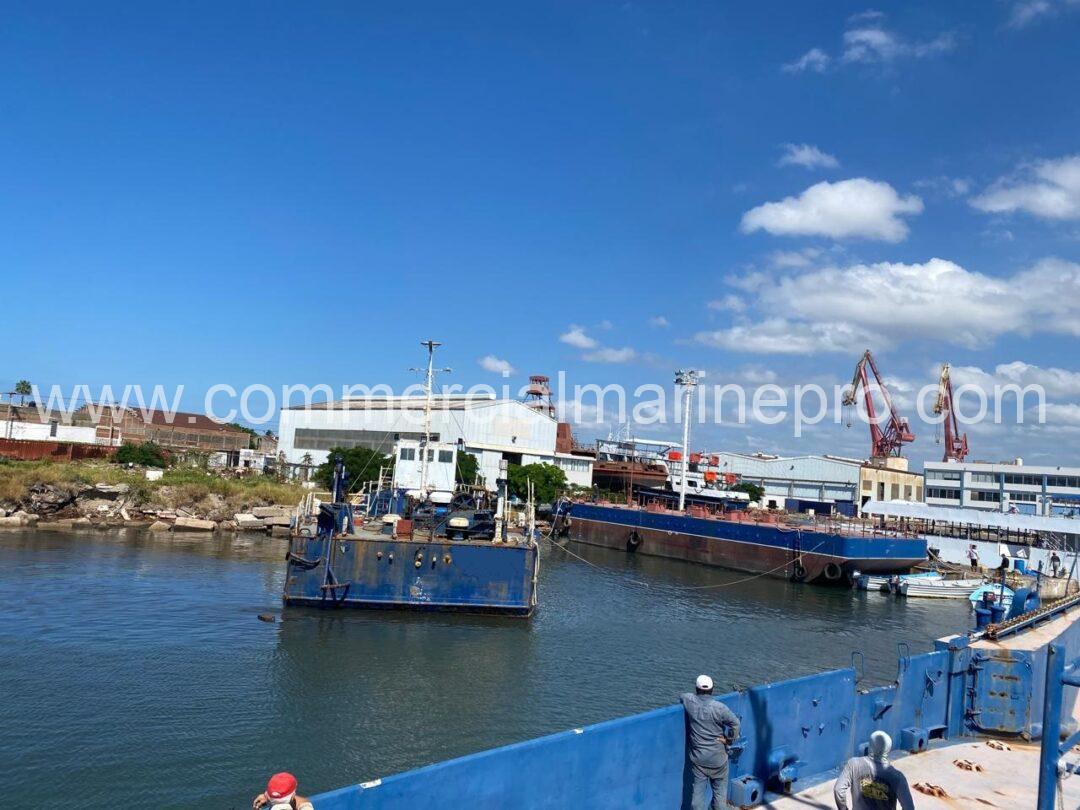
pixel 136 672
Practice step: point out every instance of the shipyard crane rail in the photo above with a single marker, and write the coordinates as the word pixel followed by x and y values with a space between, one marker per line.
pixel 956 443
pixel 888 439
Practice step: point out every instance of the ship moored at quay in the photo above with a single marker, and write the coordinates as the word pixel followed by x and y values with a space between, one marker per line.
pixel 829 552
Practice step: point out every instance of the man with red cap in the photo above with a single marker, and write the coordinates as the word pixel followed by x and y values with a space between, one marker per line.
pixel 281 795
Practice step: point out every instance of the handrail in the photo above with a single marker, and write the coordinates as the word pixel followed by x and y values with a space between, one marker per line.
pixel 1058 675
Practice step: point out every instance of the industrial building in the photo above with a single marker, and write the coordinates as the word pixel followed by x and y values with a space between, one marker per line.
pixel 489 428
pixel 1003 487
pixel 824 484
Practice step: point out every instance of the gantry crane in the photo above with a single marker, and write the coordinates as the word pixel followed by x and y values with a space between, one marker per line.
pixel 885 439
pixel 956 443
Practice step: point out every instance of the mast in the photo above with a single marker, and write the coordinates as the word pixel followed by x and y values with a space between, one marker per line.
pixel 688 379
pixel 429 386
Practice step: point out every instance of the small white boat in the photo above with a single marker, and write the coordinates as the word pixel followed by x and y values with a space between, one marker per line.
pixel 939 588
pixel 870 582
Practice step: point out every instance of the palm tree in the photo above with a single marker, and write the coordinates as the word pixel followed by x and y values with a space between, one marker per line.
pixel 23 389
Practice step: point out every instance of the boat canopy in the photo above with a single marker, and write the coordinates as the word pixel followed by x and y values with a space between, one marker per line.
pixel 973 517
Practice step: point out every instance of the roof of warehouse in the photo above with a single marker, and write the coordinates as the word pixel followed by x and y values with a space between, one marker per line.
pixel 973 517
pixel 384 403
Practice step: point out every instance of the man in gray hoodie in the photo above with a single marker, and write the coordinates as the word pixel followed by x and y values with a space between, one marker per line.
pixel 713 727
pixel 871 783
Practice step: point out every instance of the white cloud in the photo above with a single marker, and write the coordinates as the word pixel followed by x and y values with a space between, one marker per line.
pixel 875 44
pixel 1049 189
pixel 886 304
pixel 659 321
pixel 806 155
pixel 608 355
pixel 575 336
pixel 786 259
pixel 1056 382
pixel 814 60
pixel 606 325
pixel 1028 12
pixel 945 185
pixel 729 303
pixel 495 365
pixel 848 208
pixel 781 336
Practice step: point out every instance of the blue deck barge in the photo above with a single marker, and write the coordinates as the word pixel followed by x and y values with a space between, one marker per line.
pixel 796 734
pixel 370 570
pixel 808 553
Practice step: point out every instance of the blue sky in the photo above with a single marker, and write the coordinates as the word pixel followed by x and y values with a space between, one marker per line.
pixel 285 193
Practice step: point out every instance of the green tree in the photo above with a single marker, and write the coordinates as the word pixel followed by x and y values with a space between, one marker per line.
pixel 251 433
pixel 23 389
pixel 361 464
pixel 467 468
pixel 755 491
pixel 548 481
pixel 146 454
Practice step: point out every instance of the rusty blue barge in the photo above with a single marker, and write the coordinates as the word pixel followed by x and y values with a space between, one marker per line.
pixel 832 552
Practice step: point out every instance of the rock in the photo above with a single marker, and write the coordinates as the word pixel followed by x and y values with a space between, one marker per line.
pixel 250 523
pixel 55 525
pixel 278 520
pixel 124 514
pixel 83 522
pixel 111 490
pixel 11 522
pixel 267 617
pixel 280 531
pixel 194 524
pixel 142 524
pixel 26 518
pixel 271 511
pixel 227 525
pixel 160 526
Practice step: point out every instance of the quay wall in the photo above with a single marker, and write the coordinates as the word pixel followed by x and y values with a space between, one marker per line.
pixel 802 730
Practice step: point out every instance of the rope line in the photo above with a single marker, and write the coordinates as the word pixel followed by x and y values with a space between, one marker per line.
pixel 685 587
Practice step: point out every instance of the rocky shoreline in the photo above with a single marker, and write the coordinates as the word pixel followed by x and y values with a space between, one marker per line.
pixel 104 506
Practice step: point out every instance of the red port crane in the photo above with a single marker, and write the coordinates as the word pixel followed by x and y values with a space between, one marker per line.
pixel 956 443
pixel 885 439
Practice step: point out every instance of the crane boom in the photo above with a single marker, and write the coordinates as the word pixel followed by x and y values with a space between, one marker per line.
pixel 956 443
pixel 888 439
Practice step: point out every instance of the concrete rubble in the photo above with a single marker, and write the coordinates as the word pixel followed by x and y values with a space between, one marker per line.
pixel 56 507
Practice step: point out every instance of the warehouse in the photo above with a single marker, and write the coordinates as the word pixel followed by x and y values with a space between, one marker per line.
pixel 489 428
pixel 824 484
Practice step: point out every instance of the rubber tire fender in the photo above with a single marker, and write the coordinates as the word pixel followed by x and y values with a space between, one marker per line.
pixel 633 541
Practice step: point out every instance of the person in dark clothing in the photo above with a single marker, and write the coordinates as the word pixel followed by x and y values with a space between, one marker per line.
pixel 713 727
pixel 870 782
pixel 1055 563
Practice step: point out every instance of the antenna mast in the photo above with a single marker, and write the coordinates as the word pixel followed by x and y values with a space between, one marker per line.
pixel 429 386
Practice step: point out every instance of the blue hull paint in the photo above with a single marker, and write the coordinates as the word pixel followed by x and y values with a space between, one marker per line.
pixel 739 545
pixel 382 572
pixel 802 729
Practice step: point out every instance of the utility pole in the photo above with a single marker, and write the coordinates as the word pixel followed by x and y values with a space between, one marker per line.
pixel 688 379
pixel 429 386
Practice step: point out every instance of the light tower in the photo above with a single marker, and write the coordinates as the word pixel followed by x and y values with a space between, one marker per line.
pixel 688 379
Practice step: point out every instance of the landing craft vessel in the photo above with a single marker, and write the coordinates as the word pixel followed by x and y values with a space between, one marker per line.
pixel 341 557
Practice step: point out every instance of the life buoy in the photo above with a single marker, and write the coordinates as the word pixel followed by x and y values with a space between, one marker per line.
pixel 832 572
pixel 633 541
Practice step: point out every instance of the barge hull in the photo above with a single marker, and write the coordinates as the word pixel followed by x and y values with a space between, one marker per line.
pixel 794 553
pixel 383 573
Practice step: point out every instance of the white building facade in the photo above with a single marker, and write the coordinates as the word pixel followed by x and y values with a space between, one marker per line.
pixel 1013 487
pixel 490 429
pixel 798 483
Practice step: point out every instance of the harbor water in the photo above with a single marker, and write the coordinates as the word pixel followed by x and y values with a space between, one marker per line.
pixel 138 674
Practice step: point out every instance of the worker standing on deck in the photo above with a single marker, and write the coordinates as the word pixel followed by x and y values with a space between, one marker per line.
pixel 713 727
pixel 973 557
pixel 871 783
pixel 1055 562
pixel 281 795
